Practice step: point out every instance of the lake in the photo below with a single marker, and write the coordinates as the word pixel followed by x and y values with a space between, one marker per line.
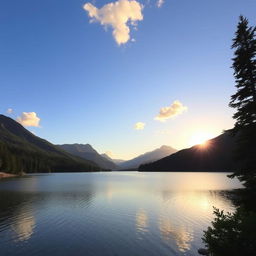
pixel 109 214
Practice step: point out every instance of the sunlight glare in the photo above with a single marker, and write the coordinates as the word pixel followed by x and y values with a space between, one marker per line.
pixel 200 138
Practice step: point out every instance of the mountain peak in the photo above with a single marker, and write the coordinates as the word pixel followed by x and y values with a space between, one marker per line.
pixel 217 157
pixel 148 157
pixel 165 147
pixel 86 151
pixel 32 154
pixel 83 148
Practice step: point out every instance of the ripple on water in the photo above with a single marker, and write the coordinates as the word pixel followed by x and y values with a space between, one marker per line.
pixel 110 213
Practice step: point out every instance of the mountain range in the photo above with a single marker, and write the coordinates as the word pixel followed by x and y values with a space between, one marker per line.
pixel 86 151
pixel 147 157
pixel 116 161
pixel 216 155
pixel 20 150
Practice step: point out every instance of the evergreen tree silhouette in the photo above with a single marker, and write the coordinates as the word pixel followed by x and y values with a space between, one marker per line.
pixel 244 101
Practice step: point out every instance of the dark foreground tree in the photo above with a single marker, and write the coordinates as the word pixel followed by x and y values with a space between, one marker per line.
pixel 244 101
pixel 232 234
pixel 235 234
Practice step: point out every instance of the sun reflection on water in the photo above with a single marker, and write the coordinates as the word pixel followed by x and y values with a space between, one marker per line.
pixel 181 234
pixel 141 220
pixel 134 213
pixel 24 224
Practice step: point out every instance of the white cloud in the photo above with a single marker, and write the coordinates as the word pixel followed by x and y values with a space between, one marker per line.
pixel 175 109
pixel 139 126
pixel 9 111
pixel 159 3
pixel 119 15
pixel 29 119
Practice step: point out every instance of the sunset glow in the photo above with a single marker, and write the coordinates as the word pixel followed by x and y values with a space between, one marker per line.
pixel 127 127
pixel 200 138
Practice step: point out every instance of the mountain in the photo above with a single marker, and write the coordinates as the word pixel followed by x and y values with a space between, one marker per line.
pixel 20 150
pixel 86 151
pixel 116 161
pixel 216 156
pixel 148 157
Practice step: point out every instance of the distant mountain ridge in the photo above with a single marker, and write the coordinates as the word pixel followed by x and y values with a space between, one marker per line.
pixel 20 150
pixel 217 155
pixel 148 157
pixel 86 151
pixel 116 161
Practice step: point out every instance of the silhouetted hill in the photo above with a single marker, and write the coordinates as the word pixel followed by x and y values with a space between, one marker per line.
pixel 148 157
pixel 20 150
pixel 115 161
pixel 216 156
pixel 86 151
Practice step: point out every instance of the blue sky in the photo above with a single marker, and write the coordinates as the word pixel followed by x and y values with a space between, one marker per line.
pixel 87 88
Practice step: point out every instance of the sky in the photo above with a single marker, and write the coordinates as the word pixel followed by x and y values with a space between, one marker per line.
pixel 125 76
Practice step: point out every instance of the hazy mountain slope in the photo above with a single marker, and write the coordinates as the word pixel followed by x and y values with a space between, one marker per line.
pixel 86 151
pixel 116 161
pixel 148 157
pixel 216 156
pixel 20 150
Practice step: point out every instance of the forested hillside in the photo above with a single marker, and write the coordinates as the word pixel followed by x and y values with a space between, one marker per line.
pixel 22 151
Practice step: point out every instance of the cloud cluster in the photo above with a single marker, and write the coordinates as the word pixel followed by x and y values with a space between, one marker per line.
pixel 9 111
pixel 119 15
pixel 159 3
pixel 29 119
pixel 139 126
pixel 175 109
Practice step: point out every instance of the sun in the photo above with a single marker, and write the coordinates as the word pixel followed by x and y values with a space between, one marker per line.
pixel 200 138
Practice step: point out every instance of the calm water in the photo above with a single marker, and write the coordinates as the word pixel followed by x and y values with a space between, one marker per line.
pixel 111 214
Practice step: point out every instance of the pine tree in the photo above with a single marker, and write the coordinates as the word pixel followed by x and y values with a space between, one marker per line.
pixel 244 65
pixel 244 100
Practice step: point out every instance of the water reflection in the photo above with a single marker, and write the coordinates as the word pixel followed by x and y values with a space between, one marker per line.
pixel 109 192
pixel 24 224
pixel 141 220
pixel 116 213
pixel 185 211
pixel 196 203
pixel 187 181
pixel 181 234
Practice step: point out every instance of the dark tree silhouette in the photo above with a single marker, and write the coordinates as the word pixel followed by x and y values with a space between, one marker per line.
pixel 234 234
pixel 244 101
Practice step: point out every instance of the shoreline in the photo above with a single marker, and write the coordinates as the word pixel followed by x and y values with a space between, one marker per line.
pixel 4 175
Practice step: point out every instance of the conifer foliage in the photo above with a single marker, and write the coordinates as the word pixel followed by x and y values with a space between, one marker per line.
pixel 244 100
pixel 244 65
